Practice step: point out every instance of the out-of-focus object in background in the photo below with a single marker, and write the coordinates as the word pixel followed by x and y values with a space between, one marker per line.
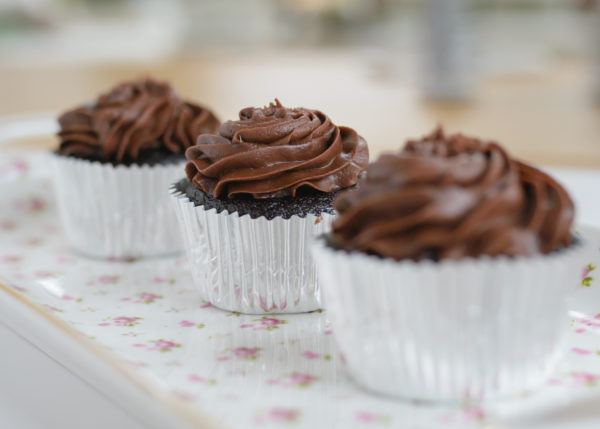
pixel 596 46
pixel 328 22
pixel 593 6
pixel 17 16
pixel 448 55
pixel 89 31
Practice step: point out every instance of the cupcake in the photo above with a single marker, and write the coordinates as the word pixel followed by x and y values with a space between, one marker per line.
pixel 447 271
pixel 117 156
pixel 256 193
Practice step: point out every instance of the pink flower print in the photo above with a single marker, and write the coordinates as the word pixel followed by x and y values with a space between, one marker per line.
pixel 586 279
pixel 67 298
pixel 7 225
pixel 328 332
pixel 186 324
pixel 195 378
pixel 310 355
pixel 163 280
pixel 206 305
pixel 265 323
pixel 302 380
pixel 277 415
pixel 51 308
pixel 365 417
pixel 554 382
pixel 147 298
pixel 581 352
pixel 580 330
pixel 592 322
pixel 121 321
pixel 474 413
pixel 282 415
pixel 11 259
pixel 32 204
pixel 246 353
pixel 14 169
pixel 126 321
pixel 164 346
pixel 271 321
pixel 297 379
pixel 584 378
pixel 107 279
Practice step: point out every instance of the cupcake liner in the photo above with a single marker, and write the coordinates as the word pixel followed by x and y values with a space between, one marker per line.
pixel 450 330
pixel 252 266
pixel 116 211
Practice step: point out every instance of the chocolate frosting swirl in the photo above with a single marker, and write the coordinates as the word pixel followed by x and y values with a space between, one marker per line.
pixel 452 197
pixel 273 151
pixel 133 118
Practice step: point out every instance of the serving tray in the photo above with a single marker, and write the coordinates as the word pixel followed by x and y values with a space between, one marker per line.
pixel 205 367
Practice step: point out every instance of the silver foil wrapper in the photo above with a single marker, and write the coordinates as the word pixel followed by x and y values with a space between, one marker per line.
pixel 116 211
pixel 252 266
pixel 451 330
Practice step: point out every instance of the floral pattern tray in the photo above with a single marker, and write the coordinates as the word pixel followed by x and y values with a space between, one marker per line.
pixel 245 371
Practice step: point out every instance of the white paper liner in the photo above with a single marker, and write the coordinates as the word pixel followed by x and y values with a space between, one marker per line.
pixel 453 330
pixel 252 266
pixel 116 211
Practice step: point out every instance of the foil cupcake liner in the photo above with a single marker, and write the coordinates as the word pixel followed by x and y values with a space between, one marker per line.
pixel 252 266
pixel 472 329
pixel 116 211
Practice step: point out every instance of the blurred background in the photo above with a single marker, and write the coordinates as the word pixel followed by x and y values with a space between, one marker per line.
pixel 523 72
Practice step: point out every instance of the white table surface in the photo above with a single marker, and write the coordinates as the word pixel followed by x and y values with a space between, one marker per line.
pixel 37 392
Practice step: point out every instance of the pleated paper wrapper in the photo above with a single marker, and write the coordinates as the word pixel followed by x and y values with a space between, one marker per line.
pixel 452 330
pixel 116 211
pixel 252 266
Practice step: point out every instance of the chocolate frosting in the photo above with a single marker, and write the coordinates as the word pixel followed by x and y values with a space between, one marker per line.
pixel 133 118
pixel 452 197
pixel 273 151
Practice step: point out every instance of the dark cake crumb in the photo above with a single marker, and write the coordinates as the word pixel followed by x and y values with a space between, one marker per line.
pixel 304 203
pixel 149 157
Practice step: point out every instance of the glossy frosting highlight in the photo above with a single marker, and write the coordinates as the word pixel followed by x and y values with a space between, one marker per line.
pixel 453 197
pixel 133 118
pixel 273 151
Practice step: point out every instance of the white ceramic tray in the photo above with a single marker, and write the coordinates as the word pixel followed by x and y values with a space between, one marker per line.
pixel 157 343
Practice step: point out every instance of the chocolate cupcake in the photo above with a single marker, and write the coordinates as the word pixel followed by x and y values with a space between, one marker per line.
pixel 447 271
pixel 256 192
pixel 115 158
